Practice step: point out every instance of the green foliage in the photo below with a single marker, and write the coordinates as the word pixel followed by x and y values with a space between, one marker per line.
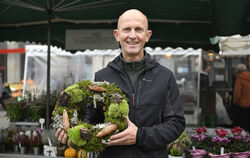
pixel 49 133
pixel 178 147
pixel 14 111
pixel 76 95
pixel 117 113
pixel 95 144
pixel 34 108
pixel 74 135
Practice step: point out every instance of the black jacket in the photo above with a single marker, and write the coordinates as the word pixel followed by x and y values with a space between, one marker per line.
pixel 154 107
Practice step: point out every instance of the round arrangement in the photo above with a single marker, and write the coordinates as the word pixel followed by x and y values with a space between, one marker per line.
pixel 72 105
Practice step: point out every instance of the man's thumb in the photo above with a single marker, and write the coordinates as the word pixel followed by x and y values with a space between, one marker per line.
pixel 128 121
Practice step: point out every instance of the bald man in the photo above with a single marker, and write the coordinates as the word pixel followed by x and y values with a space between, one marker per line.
pixel 156 115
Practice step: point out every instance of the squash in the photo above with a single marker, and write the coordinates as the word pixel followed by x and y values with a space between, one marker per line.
pixel 81 154
pixel 70 152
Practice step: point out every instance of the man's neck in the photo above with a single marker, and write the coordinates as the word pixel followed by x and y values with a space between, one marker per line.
pixel 130 58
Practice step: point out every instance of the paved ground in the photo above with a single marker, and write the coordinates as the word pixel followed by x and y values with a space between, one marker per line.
pixel 4 121
pixel 4 155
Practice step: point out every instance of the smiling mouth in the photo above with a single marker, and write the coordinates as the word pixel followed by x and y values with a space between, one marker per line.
pixel 132 44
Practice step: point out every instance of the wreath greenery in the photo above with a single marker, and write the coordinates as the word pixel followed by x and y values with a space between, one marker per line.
pixel 72 104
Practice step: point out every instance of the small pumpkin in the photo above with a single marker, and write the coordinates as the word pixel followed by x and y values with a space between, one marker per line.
pixel 81 154
pixel 70 152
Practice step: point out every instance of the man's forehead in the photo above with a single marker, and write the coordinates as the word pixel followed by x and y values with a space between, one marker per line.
pixel 134 16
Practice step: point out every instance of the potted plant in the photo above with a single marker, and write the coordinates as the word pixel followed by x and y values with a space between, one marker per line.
pixel 23 141
pixel 239 143
pixel 51 144
pixel 36 141
pixel 3 136
pixel 200 142
pixel 177 148
pixel 220 145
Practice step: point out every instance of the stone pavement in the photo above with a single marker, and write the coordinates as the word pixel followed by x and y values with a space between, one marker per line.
pixel 4 121
pixel 10 155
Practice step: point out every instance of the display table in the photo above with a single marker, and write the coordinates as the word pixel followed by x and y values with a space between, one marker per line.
pixel 9 155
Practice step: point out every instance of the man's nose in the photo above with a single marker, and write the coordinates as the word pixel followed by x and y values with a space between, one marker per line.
pixel 132 34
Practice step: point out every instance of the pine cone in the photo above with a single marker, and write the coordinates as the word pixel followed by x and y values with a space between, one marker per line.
pixel 96 88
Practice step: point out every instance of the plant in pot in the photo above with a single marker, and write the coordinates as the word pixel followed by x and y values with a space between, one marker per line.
pixel 177 147
pixel 23 141
pixel 239 143
pixel 220 145
pixel 3 136
pixel 52 147
pixel 200 142
pixel 36 141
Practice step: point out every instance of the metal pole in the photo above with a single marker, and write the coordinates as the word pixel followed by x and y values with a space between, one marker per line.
pixel 48 66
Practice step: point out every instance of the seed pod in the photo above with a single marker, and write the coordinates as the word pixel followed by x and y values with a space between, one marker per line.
pixel 106 130
pixel 96 88
pixel 65 119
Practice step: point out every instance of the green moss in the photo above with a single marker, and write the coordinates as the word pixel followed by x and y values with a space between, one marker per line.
pixel 74 135
pixel 114 112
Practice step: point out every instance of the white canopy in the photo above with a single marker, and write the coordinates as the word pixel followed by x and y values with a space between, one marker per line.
pixel 68 68
pixel 234 45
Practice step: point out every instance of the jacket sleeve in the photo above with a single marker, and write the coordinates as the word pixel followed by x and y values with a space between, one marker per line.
pixel 172 125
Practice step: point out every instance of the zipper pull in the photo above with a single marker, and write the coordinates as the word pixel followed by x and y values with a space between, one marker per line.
pixel 134 99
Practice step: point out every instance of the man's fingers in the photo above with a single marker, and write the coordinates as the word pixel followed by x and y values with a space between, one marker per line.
pixel 69 143
pixel 58 132
pixel 119 135
pixel 64 140
pixel 128 121
pixel 61 135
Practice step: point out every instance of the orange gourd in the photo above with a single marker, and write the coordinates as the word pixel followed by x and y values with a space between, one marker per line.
pixel 70 152
pixel 81 154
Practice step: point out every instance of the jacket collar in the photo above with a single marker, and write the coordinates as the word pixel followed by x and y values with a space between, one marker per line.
pixel 117 63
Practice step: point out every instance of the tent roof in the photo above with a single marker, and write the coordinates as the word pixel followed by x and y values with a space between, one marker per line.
pixel 41 50
pixel 234 45
pixel 178 23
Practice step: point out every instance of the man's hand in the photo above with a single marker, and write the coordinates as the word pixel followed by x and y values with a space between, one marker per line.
pixel 127 137
pixel 62 136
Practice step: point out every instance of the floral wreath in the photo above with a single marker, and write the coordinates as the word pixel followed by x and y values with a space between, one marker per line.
pixel 71 107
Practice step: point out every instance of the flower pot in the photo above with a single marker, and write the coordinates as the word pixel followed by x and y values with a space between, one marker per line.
pixel 92 154
pixel 60 151
pixel 226 155
pixel 36 150
pixel 16 148
pixel 241 154
pixel 23 150
pixel 171 156
pixel 198 153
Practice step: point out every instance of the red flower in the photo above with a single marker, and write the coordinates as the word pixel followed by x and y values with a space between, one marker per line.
pixel 201 130
pixel 236 131
pixel 221 133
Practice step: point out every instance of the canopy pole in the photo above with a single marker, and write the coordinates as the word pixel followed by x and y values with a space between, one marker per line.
pixel 48 66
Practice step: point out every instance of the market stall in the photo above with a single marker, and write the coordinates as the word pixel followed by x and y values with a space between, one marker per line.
pixel 67 69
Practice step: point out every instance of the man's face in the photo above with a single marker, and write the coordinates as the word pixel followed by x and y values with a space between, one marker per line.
pixel 132 33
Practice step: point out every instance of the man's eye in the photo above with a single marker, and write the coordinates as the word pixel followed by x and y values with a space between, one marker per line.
pixel 138 29
pixel 126 29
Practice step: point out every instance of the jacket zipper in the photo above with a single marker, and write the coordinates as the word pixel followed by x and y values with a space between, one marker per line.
pixel 138 93
pixel 133 99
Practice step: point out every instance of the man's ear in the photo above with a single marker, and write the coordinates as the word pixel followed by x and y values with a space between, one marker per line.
pixel 115 33
pixel 149 34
